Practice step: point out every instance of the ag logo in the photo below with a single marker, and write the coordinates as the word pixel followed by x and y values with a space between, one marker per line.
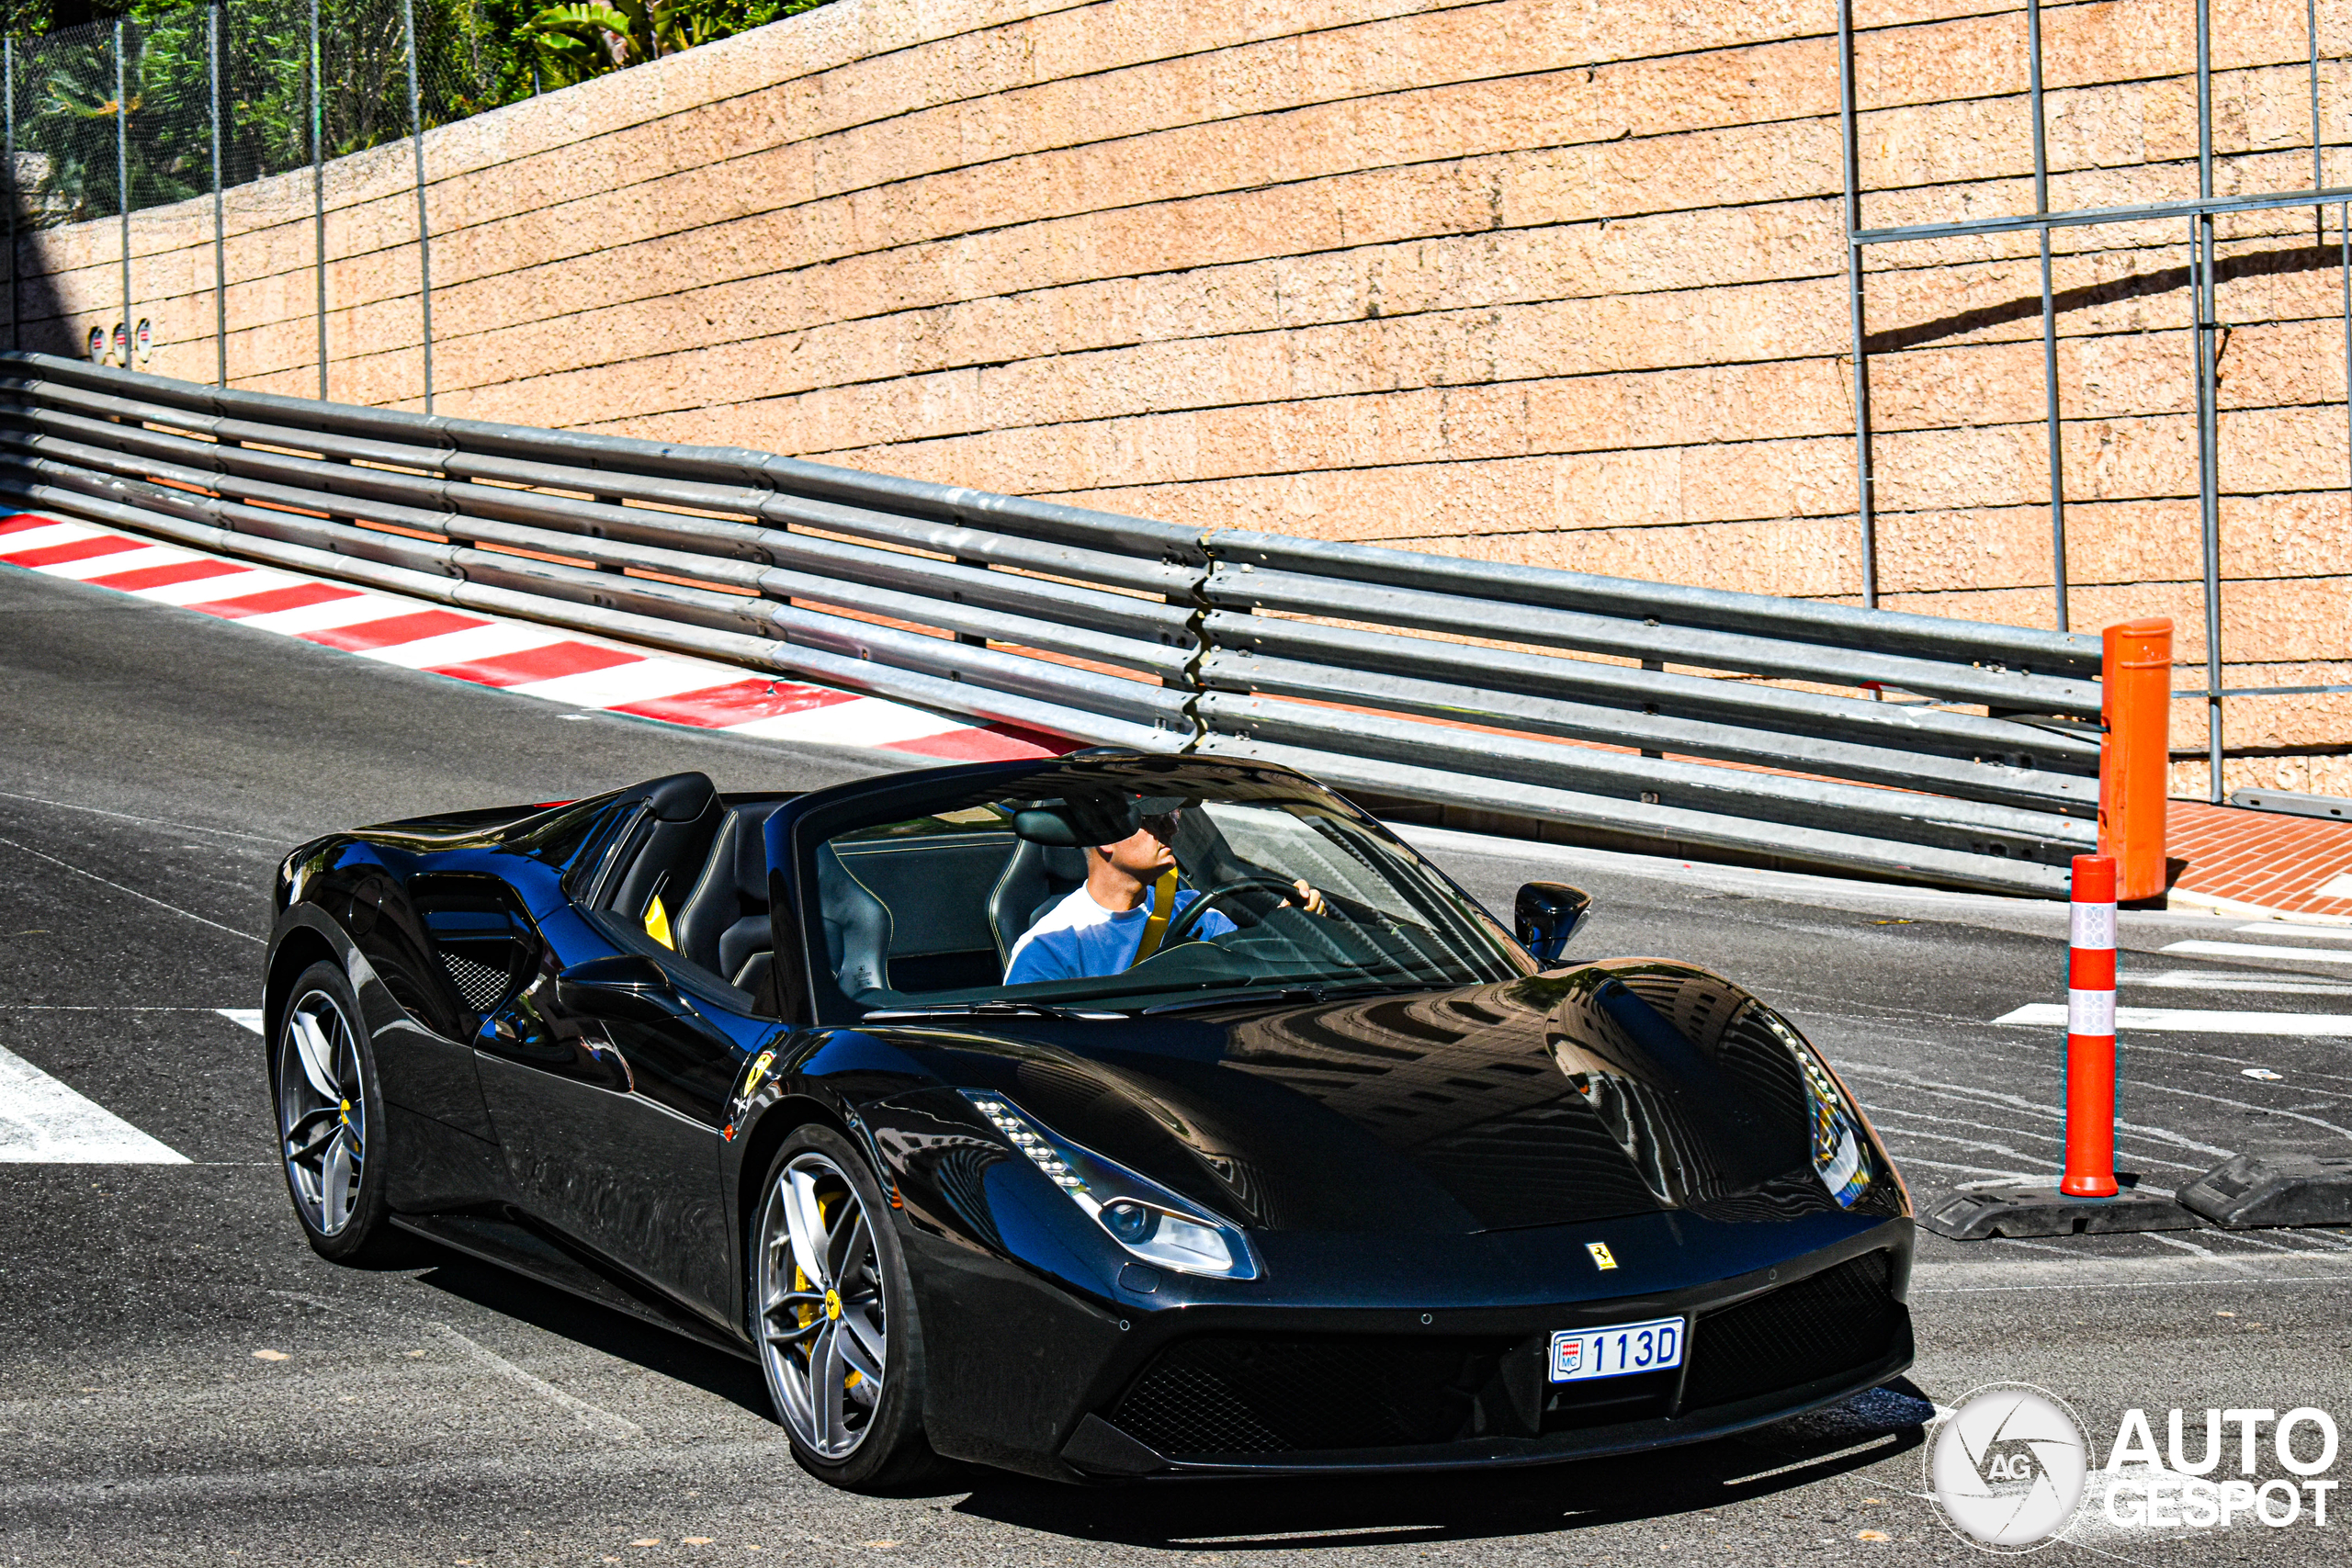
pixel 2006 1467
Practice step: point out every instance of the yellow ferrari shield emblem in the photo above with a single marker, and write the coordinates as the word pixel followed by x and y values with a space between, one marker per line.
pixel 1602 1256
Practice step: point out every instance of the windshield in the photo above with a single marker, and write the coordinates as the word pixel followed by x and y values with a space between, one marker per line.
pixel 1103 890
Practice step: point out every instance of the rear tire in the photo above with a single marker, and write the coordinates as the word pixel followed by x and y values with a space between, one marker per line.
pixel 832 1305
pixel 332 1137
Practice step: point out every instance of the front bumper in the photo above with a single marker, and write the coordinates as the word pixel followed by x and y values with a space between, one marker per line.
pixel 1101 1391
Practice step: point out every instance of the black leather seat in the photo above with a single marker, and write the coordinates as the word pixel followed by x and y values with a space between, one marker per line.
pixel 723 924
pixel 682 818
pixel 1035 879
pixel 857 930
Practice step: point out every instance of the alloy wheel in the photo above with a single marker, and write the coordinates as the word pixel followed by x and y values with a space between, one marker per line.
pixel 322 1111
pixel 821 1315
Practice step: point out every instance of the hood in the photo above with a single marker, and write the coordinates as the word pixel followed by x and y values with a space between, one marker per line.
pixel 1624 1088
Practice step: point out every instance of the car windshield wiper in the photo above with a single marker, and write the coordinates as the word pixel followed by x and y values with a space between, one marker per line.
pixel 1302 992
pixel 999 1007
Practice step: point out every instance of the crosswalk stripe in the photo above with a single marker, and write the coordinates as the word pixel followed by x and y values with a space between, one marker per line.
pixel 2280 928
pixel 2210 980
pixel 44 1123
pixel 2260 950
pixel 2195 1020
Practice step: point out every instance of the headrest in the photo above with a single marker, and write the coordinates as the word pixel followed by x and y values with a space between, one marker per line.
pixel 681 798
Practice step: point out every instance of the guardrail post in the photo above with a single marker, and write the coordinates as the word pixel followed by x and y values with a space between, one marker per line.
pixel 2136 702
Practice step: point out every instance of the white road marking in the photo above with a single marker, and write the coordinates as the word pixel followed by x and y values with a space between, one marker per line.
pixel 118 887
pixel 151 821
pixel 249 1018
pixel 2213 980
pixel 44 1123
pixel 601 1422
pixel 2280 928
pixel 209 590
pixel 2200 1020
pixel 2019 1104
pixel 867 721
pixel 492 641
pixel 328 615
pixel 41 539
pixel 643 680
pixel 121 560
pixel 2260 950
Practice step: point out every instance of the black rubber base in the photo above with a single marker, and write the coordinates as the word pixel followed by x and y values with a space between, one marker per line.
pixel 2253 1190
pixel 1988 1211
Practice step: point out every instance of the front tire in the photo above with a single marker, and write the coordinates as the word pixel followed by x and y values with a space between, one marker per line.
pixel 331 1131
pixel 832 1316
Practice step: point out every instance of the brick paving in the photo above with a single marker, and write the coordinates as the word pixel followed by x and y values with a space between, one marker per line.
pixel 2262 857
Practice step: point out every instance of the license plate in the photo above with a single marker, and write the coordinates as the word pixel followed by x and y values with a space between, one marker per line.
pixel 1619 1350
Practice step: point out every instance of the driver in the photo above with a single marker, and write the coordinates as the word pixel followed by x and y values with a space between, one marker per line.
pixel 1102 927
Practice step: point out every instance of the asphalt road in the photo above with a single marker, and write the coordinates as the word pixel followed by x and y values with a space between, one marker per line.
pixel 182 1381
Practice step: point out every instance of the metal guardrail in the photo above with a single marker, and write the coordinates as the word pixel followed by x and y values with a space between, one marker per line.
pixel 1860 739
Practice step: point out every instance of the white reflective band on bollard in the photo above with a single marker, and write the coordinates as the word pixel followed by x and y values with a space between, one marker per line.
pixel 2091 925
pixel 2090 1012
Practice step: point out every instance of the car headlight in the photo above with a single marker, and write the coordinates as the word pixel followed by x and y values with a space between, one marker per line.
pixel 1142 1216
pixel 1839 1156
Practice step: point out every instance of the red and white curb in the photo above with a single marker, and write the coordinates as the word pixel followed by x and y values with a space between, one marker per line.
pixel 516 656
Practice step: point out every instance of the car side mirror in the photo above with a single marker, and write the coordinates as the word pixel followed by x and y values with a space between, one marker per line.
pixel 1546 915
pixel 624 986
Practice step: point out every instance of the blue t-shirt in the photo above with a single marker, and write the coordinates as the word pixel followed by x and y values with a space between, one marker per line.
pixel 1077 939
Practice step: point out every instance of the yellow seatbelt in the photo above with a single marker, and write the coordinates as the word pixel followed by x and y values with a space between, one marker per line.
pixel 656 923
pixel 1163 904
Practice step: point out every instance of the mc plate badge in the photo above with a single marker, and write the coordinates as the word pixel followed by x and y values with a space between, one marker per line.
pixel 1619 1350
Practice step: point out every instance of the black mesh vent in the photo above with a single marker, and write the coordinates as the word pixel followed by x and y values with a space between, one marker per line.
pixel 1842 1319
pixel 482 986
pixel 1226 1395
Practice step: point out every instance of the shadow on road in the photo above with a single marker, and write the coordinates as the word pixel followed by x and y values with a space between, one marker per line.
pixel 601 1329
pixel 1293 1514
pixel 1279 1515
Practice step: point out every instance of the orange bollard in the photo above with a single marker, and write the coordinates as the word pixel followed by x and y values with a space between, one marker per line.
pixel 2090 1031
pixel 2136 702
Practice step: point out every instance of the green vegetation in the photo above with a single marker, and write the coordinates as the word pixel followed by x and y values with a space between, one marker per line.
pixel 570 43
pixel 473 55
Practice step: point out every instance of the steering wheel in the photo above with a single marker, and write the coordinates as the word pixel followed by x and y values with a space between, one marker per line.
pixel 1182 926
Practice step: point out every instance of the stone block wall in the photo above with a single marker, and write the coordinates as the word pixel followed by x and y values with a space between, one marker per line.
pixel 1553 281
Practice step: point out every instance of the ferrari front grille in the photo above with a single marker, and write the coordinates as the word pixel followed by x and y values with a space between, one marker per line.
pixel 1842 1319
pixel 1233 1395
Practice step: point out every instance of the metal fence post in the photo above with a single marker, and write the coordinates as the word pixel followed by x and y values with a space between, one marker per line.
pixel 220 230
pixel 1867 501
pixel 2208 416
pixel 2049 316
pixel 8 90
pixel 122 178
pixel 423 230
pixel 319 187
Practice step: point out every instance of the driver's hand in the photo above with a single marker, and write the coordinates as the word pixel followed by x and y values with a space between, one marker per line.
pixel 1308 899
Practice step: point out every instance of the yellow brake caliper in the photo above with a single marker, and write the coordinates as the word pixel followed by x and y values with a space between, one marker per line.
pixel 806 1311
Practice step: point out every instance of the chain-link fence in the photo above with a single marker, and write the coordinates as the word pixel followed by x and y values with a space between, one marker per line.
pixel 215 123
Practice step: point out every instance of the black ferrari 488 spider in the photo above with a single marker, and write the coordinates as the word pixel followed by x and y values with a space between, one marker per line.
pixel 1112 1116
